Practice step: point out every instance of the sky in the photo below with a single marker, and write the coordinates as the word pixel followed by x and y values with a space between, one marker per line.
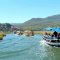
pixel 19 11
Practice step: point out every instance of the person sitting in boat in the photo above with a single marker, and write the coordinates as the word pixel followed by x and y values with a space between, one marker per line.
pixel 55 34
pixel 58 36
pixel 52 36
pixel 47 35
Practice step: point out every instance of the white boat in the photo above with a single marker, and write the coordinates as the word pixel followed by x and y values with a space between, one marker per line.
pixel 53 42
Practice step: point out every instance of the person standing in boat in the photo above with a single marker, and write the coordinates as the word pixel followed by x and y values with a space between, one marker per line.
pixel 55 34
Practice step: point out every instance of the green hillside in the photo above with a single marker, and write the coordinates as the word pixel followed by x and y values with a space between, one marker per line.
pixel 40 23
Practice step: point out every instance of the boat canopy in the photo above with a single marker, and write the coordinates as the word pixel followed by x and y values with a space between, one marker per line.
pixel 57 29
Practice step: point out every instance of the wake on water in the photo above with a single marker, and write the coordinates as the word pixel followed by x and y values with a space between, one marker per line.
pixel 14 44
pixel 15 47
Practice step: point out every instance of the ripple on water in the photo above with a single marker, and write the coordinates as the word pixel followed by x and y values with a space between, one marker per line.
pixel 15 47
pixel 14 42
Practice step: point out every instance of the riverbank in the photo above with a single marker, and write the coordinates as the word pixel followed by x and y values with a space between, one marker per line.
pixel 42 32
pixel 35 32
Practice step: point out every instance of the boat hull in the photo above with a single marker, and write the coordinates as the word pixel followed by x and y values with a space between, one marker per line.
pixel 57 44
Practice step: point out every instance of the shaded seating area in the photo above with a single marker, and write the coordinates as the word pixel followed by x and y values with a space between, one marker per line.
pixel 55 30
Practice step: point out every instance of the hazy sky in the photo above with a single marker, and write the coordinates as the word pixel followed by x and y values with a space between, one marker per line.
pixel 19 11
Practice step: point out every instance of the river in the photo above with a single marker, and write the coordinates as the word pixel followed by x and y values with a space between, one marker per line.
pixel 15 47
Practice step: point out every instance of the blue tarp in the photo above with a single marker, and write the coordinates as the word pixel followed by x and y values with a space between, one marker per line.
pixel 57 29
pixel 53 29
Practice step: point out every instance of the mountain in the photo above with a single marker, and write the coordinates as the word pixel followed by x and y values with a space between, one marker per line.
pixel 40 23
pixel 5 27
pixel 16 24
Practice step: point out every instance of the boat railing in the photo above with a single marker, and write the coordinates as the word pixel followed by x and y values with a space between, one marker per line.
pixel 50 38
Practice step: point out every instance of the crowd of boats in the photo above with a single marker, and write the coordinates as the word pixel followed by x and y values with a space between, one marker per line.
pixel 25 33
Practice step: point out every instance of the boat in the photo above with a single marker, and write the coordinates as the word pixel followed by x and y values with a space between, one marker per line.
pixel 52 41
pixel 2 35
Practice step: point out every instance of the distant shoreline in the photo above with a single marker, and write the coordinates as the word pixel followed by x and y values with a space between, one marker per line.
pixel 42 32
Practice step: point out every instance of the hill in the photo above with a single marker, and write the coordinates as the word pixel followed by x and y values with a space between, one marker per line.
pixel 40 23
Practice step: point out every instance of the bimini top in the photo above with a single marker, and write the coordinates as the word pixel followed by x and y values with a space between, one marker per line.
pixel 57 29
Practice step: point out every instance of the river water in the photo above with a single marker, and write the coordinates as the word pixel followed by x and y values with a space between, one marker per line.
pixel 15 47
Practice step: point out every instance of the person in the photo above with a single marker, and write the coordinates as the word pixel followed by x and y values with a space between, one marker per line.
pixel 58 36
pixel 52 36
pixel 55 34
pixel 45 35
